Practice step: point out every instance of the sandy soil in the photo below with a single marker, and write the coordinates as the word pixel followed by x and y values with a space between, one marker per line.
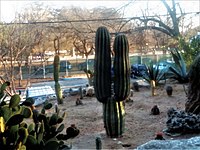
pixel 140 126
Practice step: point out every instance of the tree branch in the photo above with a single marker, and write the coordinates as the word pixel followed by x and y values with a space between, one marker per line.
pixel 153 28
pixel 161 24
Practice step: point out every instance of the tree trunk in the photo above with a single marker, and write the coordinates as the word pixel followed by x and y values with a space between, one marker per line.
pixel 20 75
pixel 153 87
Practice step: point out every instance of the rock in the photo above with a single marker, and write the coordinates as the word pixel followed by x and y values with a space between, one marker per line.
pixel 181 122
pixel 74 91
pixel 90 91
pixel 192 143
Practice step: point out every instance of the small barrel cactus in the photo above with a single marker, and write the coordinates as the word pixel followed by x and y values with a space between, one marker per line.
pixel 113 108
pixel 169 90
pixel 98 143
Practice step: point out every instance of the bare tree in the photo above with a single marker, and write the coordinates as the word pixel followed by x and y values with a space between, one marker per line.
pixel 15 47
pixel 83 31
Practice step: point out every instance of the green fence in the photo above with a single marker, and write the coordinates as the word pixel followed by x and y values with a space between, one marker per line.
pixel 77 65
pixel 147 59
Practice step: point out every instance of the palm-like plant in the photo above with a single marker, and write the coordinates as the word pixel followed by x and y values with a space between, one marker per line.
pixel 178 70
pixel 153 73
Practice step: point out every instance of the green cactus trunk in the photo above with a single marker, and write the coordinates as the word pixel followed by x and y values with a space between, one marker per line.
pixel 113 109
pixel 114 118
pixel 58 93
pixel 193 96
pixel 56 65
pixel 56 78
pixel 121 68
pixel 102 66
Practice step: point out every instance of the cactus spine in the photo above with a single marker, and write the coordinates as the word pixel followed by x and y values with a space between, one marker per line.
pixel 113 109
pixel 56 77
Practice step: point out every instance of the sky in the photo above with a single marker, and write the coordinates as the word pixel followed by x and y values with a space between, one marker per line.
pixel 10 7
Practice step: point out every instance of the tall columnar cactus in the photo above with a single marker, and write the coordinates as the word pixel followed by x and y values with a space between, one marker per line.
pixel 102 70
pixel 113 108
pixel 56 77
pixel 193 103
pixel 121 68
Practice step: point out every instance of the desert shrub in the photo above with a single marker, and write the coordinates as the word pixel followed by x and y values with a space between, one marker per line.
pixel 178 69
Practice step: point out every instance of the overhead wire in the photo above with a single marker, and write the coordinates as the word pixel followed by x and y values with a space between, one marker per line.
pixel 92 20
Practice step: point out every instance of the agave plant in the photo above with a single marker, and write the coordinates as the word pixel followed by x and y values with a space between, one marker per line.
pixel 153 73
pixel 178 70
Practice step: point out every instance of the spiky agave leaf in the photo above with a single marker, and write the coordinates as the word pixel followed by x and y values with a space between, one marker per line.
pixel 153 73
pixel 179 69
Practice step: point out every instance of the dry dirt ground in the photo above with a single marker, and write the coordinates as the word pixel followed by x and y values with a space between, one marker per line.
pixel 140 125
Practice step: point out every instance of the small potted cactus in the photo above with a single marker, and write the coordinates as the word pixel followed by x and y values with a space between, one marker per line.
pixel 136 86
pixel 169 90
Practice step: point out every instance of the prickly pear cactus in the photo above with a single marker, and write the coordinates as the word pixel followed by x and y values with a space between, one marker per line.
pixel 113 108
pixel 56 78
pixel 13 131
pixel 44 132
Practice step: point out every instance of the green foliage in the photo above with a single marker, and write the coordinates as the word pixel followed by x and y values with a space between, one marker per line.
pixel 195 46
pixel 43 133
pixel 179 71
pixel 154 73
pixel 14 101
pixel 4 86
pixel 2 92
pixel 190 49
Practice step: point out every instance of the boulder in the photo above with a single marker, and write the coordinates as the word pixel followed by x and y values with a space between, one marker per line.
pixel 90 91
pixel 182 122
pixel 192 143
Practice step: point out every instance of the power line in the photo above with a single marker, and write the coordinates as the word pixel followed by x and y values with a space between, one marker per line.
pixel 94 20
